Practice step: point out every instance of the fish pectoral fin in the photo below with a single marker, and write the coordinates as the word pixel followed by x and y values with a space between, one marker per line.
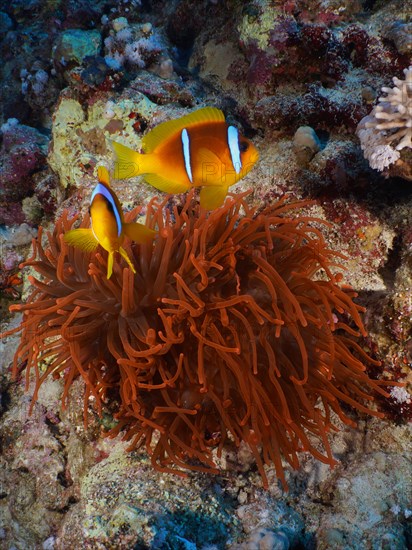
pixel 103 175
pixel 212 197
pixel 110 264
pixel 166 185
pixel 209 168
pixel 81 238
pixel 128 163
pixel 165 130
pixel 139 232
pixel 126 257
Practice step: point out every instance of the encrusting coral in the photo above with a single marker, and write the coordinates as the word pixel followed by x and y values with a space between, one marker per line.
pixel 234 327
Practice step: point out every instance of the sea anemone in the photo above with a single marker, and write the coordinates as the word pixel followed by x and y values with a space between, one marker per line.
pixel 234 327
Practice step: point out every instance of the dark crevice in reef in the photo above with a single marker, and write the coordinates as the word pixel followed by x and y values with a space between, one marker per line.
pixel 388 271
pixel 5 400
pixel 64 480
pixel 72 500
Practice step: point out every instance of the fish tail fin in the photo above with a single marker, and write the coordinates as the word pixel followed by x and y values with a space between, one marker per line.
pixel 139 232
pixel 126 257
pixel 81 238
pixel 129 163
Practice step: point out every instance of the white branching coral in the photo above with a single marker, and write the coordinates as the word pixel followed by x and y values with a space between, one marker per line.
pixel 394 112
pixel 137 45
pixel 388 128
pixel 401 395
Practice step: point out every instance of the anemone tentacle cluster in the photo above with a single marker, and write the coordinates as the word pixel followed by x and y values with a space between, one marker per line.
pixel 234 327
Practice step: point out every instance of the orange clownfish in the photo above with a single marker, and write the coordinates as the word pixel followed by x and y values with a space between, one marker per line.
pixel 108 227
pixel 196 150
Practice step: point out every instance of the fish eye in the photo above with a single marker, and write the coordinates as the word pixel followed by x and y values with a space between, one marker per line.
pixel 243 146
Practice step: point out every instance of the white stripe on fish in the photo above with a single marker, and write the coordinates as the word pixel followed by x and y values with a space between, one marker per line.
pixel 233 142
pixel 186 153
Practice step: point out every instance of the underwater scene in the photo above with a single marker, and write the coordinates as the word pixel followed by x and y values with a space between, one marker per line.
pixel 205 274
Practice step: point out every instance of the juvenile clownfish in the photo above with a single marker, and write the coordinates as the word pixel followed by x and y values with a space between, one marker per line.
pixel 196 150
pixel 108 227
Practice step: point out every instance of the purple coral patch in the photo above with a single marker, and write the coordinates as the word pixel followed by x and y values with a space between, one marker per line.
pixel 22 153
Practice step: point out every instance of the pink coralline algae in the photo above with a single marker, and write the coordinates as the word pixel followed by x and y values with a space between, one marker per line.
pixel 318 107
pixel 22 153
pixel 369 52
pixel 305 52
pixel 307 71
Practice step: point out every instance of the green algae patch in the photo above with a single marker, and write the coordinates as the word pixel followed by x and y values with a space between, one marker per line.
pixel 257 24
pixel 74 45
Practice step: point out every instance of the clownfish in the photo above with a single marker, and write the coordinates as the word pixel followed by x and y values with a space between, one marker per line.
pixel 196 150
pixel 108 227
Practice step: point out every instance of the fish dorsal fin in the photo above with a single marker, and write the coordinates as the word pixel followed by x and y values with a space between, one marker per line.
pixel 212 197
pixel 81 238
pixel 164 130
pixel 139 232
pixel 103 175
pixel 165 185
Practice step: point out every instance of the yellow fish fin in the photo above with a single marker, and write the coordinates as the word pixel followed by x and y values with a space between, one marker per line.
pixel 166 185
pixel 128 163
pixel 103 175
pixel 126 257
pixel 81 238
pixel 164 130
pixel 139 232
pixel 211 167
pixel 110 265
pixel 212 197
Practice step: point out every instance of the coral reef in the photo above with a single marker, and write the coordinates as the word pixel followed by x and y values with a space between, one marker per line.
pixel 80 138
pixel 227 331
pixel 132 514
pixel 348 524
pixel 272 67
pixel 400 32
pixel 39 90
